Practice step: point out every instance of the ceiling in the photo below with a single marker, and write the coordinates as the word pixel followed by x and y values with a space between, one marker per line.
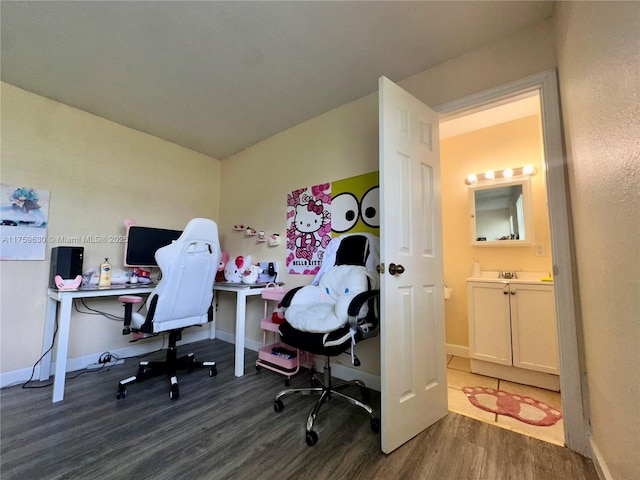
pixel 504 110
pixel 218 77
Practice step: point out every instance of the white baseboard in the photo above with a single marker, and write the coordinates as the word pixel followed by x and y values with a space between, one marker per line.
pixel 231 338
pixel 601 467
pixel 457 350
pixel 21 375
pixel 344 372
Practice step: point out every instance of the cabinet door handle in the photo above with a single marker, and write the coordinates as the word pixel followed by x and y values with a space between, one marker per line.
pixel 506 292
pixel 513 292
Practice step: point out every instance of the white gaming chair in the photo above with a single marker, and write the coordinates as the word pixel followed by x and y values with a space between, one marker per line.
pixel 183 298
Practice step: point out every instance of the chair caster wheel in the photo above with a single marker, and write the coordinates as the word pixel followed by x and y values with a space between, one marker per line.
pixel 213 371
pixel 278 406
pixel 287 382
pixel 258 368
pixel 375 425
pixel 312 438
pixel 122 393
pixel 174 394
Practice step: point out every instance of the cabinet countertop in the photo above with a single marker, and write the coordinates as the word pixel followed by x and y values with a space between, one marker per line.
pixel 523 277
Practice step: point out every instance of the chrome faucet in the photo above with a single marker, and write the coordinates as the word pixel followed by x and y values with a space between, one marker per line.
pixel 507 274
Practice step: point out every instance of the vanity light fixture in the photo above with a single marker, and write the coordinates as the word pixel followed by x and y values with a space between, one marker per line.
pixel 498 174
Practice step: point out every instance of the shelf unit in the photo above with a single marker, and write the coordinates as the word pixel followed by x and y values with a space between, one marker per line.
pixel 287 366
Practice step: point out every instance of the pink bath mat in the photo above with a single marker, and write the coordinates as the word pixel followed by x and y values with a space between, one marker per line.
pixel 521 408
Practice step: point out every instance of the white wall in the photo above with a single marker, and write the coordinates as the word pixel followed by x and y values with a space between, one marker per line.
pixel 98 173
pixel 599 71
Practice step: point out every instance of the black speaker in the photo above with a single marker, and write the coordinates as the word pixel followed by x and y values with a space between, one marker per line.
pixel 66 262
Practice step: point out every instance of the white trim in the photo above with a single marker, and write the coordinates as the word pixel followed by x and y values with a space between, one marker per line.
pixel 231 338
pixel 371 380
pixel 15 377
pixel 598 461
pixel 457 350
pixel 574 392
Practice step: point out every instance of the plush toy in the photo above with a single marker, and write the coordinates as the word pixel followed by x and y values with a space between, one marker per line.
pixel 324 307
pixel 224 259
pixel 250 274
pixel 233 270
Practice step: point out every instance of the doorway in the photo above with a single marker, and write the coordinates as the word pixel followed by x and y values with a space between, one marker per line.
pixel 569 338
pixel 502 135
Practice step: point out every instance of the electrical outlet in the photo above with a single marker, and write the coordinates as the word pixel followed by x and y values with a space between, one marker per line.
pixel 540 250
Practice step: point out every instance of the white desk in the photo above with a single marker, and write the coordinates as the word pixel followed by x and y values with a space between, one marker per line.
pixel 59 304
pixel 242 291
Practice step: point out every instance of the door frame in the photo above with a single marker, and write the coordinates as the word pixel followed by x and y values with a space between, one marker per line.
pixel 574 392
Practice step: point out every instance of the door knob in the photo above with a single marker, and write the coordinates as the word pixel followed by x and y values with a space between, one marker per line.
pixel 396 269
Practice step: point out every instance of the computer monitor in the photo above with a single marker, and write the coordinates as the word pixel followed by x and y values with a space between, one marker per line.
pixel 142 243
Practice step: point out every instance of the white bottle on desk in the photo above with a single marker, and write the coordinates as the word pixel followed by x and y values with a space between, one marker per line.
pixel 105 274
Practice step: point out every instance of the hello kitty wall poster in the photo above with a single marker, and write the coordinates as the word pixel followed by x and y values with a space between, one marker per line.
pixel 308 228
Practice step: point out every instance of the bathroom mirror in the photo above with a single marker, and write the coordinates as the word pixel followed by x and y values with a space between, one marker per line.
pixel 501 213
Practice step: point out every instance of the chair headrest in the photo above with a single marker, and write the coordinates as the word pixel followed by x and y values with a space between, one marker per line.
pixel 353 250
pixel 200 229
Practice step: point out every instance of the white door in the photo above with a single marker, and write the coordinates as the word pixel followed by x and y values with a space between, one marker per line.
pixel 412 337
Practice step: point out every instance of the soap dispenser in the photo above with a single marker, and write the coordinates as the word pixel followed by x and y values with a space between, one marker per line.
pixel 475 271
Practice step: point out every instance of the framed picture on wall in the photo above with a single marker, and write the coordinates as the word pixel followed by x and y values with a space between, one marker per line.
pixel 23 222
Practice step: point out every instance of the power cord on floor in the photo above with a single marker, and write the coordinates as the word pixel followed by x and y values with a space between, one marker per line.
pixel 104 359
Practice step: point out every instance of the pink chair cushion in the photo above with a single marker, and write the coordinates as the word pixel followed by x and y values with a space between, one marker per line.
pixel 130 299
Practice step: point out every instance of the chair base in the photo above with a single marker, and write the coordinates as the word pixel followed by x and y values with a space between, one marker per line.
pixel 326 390
pixel 169 368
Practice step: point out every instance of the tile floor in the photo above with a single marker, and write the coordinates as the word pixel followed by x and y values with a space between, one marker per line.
pixel 459 375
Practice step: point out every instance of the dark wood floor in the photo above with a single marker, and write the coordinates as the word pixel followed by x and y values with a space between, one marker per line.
pixel 225 428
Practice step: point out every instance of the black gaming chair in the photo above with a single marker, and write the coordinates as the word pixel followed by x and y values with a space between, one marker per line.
pixel 363 322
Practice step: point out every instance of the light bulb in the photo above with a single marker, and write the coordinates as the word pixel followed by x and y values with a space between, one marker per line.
pixel 527 170
pixel 508 173
pixel 489 175
pixel 472 178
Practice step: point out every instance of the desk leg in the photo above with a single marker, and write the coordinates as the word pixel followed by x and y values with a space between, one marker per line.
pixel 212 325
pixel 62 349
pixel 47 340
pixel 241 310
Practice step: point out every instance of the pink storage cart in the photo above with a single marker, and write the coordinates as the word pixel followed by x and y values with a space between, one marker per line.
pixel 277 356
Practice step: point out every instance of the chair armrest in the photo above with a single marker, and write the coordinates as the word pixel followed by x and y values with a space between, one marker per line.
pixel 286 300
pixel 369 325
pixel 359 300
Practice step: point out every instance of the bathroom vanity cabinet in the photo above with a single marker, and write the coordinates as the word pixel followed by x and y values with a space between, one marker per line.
pixel 512 331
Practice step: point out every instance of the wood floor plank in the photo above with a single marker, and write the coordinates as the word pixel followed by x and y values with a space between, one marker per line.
pixel 225 428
